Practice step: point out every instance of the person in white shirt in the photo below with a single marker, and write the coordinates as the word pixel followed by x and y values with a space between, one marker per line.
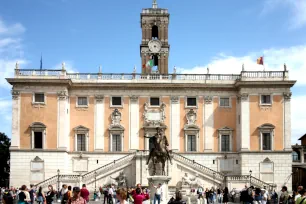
pixel 297 195
pixel 158 193
pixel 110 195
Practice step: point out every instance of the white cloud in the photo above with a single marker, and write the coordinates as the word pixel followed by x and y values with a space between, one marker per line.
pixel 69 66
pixel 11 30
pixel 274 59
pixel 295 58
pixel 296 8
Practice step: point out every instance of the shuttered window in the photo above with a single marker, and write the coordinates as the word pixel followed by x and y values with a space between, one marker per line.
pixel 191 143
pixel 82 101
pixel 117 143
pixel 225 143
pixel 81 142
pixel 224 102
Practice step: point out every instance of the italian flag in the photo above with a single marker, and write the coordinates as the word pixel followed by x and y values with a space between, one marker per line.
pixel 150 63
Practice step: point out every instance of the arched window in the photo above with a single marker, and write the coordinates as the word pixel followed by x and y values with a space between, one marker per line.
pixel 295 156
pixel 154 32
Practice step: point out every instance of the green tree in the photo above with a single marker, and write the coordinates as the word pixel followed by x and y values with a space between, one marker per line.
pixel 5 144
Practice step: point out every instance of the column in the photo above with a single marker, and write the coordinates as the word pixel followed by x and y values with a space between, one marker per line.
pixel 99 123
pixel 175 123
pixel 245 122
pixel 15 140
pixel 208 124
pixel 62 121
pixel 287 121
pixel 134 123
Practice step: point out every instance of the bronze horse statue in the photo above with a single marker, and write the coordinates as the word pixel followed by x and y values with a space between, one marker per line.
pixel 159 153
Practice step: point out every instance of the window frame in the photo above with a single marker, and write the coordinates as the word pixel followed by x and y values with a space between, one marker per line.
pixel 38 127
pixel 35 102
pixel 116 106
pixel 229 102
pixel 266 104
pixel 225 131
pixel 116 132
pixel 83 135
pixel 121 146
pixel 81 130
pixel 229 143
pixel 186 102
pixel 159 101
pixel 263 129
pixel 82 106
pixel 194 132
pixel 195 147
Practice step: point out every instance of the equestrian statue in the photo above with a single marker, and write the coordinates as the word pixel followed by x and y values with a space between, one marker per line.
pixel 159 153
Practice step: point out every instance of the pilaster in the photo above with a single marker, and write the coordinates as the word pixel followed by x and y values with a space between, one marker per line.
pixel 134 123
pixel 287 121
pixel 15 140
pixel 62 121
pixel 208 124
pixel 175 123
pixel 99 123
pixel 244 121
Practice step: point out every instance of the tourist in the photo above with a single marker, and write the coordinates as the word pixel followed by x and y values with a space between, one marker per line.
pixel 6 197
pixel 85 193
pixel 298 194
pixel 207 192
pixel 105 193
pixel 265 196
pixel 121 196
pixel 284 197
pixel 76 198
pixel 110 195
pixel 257 196
pixel 158 193
pixel 302 198
pixel 138 197
pixel 178 199
pixel 69 192
pixel 32 193
pixel 64 194
pixel 219 196
pixel 23 195
pixel 40 196
pixel 200 192
pixel 50 195
pixel 225 195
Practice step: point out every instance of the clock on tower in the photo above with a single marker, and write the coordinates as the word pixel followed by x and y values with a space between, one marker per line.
pixel 154 47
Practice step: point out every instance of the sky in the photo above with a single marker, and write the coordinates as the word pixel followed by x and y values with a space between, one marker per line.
pixel 219 34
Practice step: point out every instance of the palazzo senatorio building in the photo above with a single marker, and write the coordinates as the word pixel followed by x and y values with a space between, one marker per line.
pixel 223 129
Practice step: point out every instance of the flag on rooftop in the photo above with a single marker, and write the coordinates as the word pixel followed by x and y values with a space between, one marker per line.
pixel 260 61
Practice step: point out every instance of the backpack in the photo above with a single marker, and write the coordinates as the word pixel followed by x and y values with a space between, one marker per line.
pixel 21 196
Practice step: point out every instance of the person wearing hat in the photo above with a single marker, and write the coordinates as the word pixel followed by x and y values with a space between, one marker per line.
pixel 76 198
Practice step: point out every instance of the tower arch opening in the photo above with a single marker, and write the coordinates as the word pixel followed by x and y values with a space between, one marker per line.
pixel 154 32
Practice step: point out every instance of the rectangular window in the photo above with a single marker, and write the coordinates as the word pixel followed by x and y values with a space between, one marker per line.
pixel 39 98
pixel 81 142
pixel 116 146
pixel 191 143
pixel 82 101
pixel 225 143
pixel 116 101
pixel 38 140
pixel 192 101
pixel 265 99
pixel 224 102
pixel 266 141
pixel 154 101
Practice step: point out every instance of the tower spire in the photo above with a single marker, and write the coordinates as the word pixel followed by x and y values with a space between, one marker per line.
pixel 154 5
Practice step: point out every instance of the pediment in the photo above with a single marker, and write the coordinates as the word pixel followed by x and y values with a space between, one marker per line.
pixel 38 125
pixel 266 126
pixel 81 128
pixel 225 129
pixel 191 127
pixel 116 127
pixel 267 160
pixel 37 159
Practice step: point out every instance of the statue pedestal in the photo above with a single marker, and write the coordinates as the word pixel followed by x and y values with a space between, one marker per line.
pixel 164 180
pixel 186 190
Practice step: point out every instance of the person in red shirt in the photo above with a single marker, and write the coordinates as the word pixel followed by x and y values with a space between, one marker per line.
pixel 85 193
pixel 139 197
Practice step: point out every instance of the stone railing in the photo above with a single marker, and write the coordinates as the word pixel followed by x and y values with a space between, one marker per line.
pixel 198 167
pixel 62 74
pixel 69 178
pixel 254 181
pixel 106 168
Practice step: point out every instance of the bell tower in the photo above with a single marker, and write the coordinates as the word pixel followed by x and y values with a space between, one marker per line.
pixel 154 47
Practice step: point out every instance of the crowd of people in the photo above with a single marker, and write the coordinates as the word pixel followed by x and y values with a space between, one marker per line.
pixel 141 195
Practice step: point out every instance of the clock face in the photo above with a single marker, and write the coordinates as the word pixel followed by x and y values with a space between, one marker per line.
pixel 154 46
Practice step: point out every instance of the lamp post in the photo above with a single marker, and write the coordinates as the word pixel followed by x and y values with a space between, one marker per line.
pixel 250 177
pixel 95 193
pixel 58 186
